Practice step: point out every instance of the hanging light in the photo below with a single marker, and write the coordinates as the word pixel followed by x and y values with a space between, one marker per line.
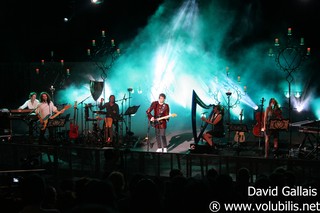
pixel 297 94
pixel 97 1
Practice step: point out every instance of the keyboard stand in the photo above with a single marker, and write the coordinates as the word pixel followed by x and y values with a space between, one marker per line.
pixel 315 148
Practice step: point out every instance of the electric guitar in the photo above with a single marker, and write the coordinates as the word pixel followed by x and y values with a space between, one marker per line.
pixel 239 136
pixel 74 128
pixel 158 120
pixel 44 121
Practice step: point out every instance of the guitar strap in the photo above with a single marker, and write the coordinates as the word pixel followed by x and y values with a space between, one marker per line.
pixel 161 109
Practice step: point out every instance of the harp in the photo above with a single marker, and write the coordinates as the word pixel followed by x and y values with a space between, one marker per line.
pixel 195 102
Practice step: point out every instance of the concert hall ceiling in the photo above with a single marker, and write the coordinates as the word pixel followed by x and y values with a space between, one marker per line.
pixel 39 25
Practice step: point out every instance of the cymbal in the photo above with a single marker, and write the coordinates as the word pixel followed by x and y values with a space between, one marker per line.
pixel 100 112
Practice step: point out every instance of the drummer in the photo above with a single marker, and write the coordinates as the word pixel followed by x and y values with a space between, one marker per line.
pixel 112 116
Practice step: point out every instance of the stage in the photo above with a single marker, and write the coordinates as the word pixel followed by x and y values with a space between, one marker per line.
pixel 84 157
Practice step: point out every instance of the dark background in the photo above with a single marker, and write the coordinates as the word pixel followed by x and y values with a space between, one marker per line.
pixel 31 29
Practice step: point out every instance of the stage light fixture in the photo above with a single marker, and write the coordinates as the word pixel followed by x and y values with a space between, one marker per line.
pixel 297 94
pixel 97 1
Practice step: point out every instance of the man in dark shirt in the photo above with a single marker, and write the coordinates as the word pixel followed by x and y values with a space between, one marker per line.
pixel 160 109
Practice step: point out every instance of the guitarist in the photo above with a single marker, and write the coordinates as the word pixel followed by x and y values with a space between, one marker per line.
pixel 45 109
pixel 160 109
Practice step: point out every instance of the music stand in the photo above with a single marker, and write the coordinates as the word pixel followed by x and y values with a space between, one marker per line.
pixel 132 110
pixel 58 122
pixel 238 128
pixel 279 124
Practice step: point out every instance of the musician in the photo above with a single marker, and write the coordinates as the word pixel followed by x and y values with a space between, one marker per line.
pixel 216 121
pixel 112 117
pixel 31 103
pixel 160 109
pixel 45 109
pixel 273 111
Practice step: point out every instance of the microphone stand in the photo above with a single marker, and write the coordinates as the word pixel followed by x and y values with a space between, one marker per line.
pixel 82 122
pixel 147 137
pixel 52 89
pixel 122 117
pixel 261 122
pixel 121 126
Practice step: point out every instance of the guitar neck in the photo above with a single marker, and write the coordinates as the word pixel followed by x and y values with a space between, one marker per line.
pixel 61 111
pixel 55 115
pixel 164 117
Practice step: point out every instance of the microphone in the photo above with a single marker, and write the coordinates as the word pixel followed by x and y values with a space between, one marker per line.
pixel 52 88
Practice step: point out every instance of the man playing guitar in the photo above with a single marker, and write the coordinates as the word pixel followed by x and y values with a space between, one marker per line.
pixel 159 109
pixel 45 111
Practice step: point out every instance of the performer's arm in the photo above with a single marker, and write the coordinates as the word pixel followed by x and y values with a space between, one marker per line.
pixel 167 112
pixel 149 110
pixel 24 105
pixel 265 117
pixel 212 121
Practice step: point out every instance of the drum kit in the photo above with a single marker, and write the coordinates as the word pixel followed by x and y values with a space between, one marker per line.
pixel 97 121
pixel 95 135
pixel 98 117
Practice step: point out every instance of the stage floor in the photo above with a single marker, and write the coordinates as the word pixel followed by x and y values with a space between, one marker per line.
pixel 90 158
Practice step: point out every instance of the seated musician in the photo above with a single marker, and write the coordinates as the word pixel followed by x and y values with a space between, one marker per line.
pixel 216 121
pixel 31 103
pixel 273 111
pixel 112 116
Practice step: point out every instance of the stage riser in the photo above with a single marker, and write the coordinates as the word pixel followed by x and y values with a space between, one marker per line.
pixel 95 162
